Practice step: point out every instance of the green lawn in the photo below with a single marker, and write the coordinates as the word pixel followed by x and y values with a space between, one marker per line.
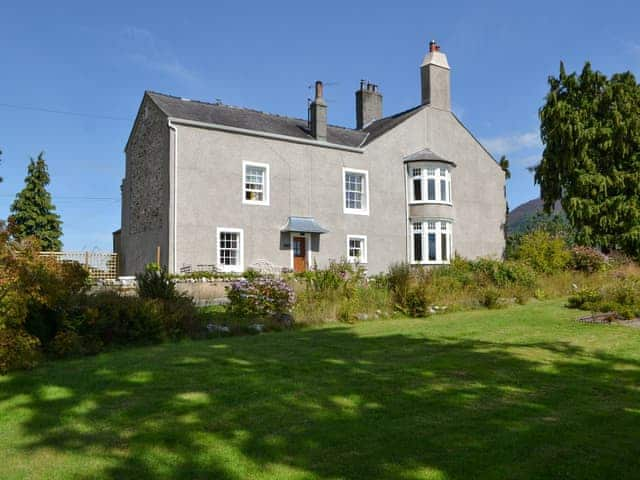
pixel 520 393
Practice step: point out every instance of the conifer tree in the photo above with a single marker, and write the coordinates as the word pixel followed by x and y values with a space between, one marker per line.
pixel 590 128
pixel 33 213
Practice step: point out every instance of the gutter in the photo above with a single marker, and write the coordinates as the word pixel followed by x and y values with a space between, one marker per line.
pixel 254 133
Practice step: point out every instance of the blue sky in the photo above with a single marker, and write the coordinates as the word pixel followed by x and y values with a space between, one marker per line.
pixel 98 58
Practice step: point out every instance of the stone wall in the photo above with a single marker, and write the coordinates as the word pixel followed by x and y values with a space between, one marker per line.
pixel 145 191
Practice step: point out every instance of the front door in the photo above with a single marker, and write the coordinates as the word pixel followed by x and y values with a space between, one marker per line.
pixel 299 254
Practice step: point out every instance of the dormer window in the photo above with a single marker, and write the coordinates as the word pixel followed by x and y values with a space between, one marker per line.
pixel 430 184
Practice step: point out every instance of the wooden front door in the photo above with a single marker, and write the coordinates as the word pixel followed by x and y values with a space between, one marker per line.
pixel 299 254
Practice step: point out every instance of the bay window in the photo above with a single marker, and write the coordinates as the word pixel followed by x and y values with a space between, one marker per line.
pixel 430 184
pixel 431 241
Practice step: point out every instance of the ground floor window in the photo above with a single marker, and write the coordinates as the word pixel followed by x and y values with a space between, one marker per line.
pixel 431 241
pixel 230 249
pixel 357 248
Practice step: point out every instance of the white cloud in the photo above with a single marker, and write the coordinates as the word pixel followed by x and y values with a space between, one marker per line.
pixel 508 144
pixel 143 48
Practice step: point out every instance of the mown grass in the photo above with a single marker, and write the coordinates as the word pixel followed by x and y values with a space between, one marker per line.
pixel 519 393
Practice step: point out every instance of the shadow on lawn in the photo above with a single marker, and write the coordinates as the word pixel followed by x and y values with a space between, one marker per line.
pixel 330 404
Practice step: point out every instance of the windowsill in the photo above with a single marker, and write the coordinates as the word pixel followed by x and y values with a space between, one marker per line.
pixel 230 268
pixel 352 211
pixel 430 202
pixel 256 202
pixel 434 262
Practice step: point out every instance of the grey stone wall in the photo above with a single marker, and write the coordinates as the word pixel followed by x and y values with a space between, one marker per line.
pixel 145 190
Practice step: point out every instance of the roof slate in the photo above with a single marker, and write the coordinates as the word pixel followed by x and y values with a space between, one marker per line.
pixel 251 120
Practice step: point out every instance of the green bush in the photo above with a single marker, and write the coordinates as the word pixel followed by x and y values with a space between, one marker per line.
pixel 67 344
pixel 584 298
pixel 398 281
pixel 155 283
pixel 543 252
pixel 490 298
pixel 18 350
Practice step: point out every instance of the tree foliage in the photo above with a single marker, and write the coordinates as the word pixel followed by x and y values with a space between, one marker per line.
pixel 504 165
pixel 590 127
pixel 33 213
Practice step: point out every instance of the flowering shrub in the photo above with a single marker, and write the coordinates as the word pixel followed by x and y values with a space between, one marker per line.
pixel 261 296
pixel 587 259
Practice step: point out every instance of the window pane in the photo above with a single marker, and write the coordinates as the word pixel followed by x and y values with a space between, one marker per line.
pixel 354 190
pixel 432 246
pixel 254 183
pixel 416 172
pixel 229 246
pixel 431 172
pixel 443 190
pixel 443 246
pixel 417 247
pixel 431 189
pixel 417 189
pixel 355 247
pixel 431 225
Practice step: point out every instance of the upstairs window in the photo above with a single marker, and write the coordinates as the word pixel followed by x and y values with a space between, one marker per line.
pixel 356 191
pixel 256 183
pixel 430 184
pixel 230 256
pixel 357 248
pixel 431 242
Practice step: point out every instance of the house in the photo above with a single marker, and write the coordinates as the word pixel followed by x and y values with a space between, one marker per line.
pixel 208 184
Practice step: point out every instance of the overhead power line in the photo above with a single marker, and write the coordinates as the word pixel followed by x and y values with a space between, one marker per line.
pixel 62 112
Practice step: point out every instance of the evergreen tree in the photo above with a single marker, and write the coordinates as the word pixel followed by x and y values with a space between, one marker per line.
pixel 33 213
pixel 590 128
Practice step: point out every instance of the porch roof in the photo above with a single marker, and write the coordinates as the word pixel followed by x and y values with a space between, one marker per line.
pixel 303 225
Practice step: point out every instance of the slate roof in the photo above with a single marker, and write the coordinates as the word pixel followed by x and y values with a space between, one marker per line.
pixel 251 119
pixel 382 126
pixel 426 155
pixel 303 225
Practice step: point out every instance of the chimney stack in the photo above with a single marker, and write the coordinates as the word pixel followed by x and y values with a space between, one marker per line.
pixel 435 76
pixel 318 115
pixel 368 104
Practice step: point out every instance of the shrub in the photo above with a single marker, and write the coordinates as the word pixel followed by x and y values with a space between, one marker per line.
pixel 261 296
pixel 67 344
pixel 417 302
pixel 587 259
pixel 543 252
pixel 18 350
pixel 398 281
pixel 155 282
pixel 584 297
pixel 490 298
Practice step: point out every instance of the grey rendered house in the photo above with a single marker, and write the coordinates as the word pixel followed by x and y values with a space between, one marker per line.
pixel 208 184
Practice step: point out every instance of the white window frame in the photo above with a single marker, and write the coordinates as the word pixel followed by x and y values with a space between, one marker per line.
pixel 423 182
pixel 267 183
pixel 239 268
pixel 365 208
pixel 425 241
pixel 363 258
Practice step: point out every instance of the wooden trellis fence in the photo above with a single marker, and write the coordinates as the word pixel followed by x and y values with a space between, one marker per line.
pixel 100 265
